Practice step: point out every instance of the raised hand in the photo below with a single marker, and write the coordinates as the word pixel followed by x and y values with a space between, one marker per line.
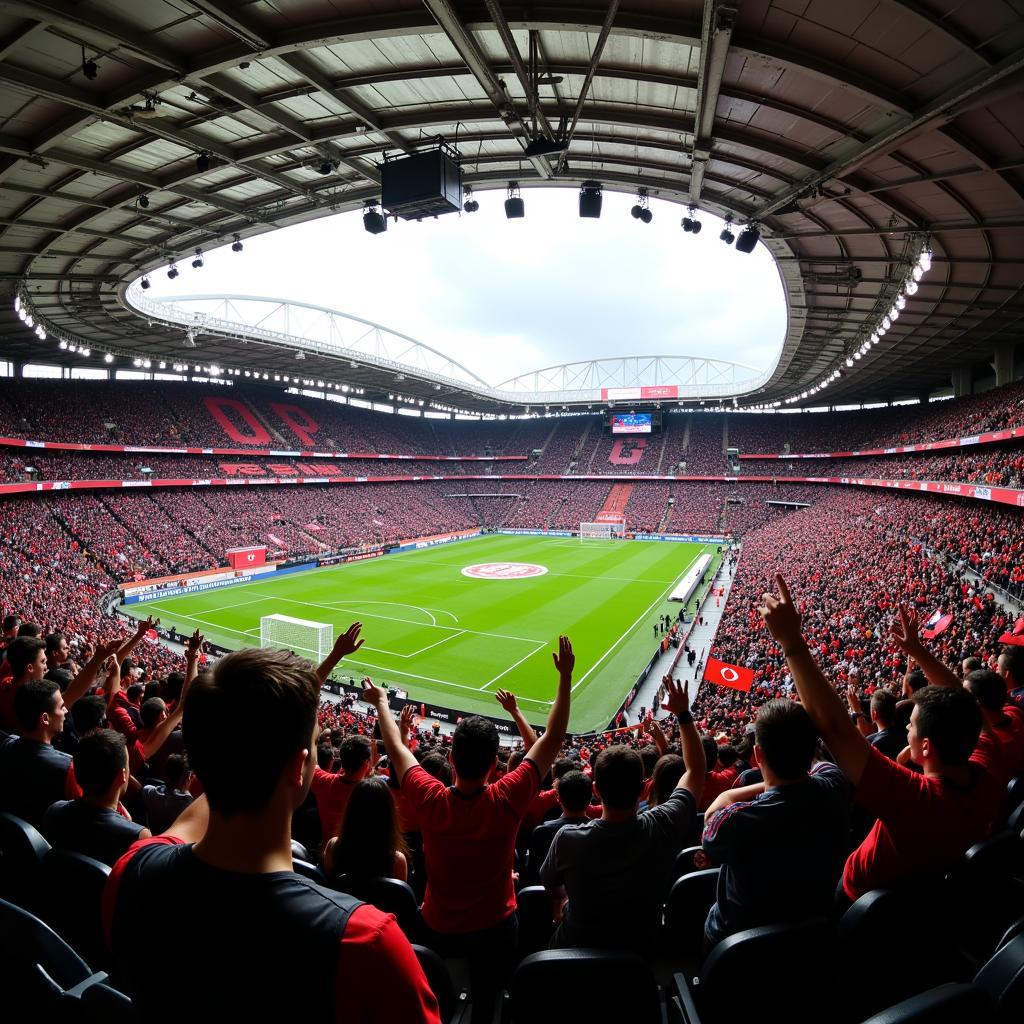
pixel 348 642
pixel 194 646
pixel 781 616
pixel 374 695
pixel 405 722
pixel 677 700
pixel 507 700
pixel 904 631
pixel 146 624
pixel 565 660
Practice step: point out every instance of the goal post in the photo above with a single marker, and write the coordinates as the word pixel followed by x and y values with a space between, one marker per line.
pixel 602 531
pixel 312 640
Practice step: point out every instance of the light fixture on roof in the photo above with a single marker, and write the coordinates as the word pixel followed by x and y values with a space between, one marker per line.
pixel 144 283
pixel 727 236
pixel 748 238
pixel 197 263
pixel 202 162
pixel 325 167
pixel 690 222
pixel 591 193
pixel 144 202
pixel 541 146
pixel 373 220
pixel 172 271
pixel 108 358
pixel 469 205
pixel 62 344
pixel 641 208
pixel 236 245
pixel 515 207
pixel 89 67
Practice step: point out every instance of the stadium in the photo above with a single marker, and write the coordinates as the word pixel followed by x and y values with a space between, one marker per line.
pixel 439 586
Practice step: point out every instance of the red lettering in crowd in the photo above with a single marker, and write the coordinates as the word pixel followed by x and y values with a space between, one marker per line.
pixel 326 469
pixel 302 425
pixel 282 469
pixel 627 453
pixel 243 469
pixel 219 408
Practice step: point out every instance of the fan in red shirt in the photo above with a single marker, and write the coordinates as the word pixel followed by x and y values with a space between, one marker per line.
pixel 927 821
pixel 332 791
pixel 263 941
pixel 469 832
pixel 1004 734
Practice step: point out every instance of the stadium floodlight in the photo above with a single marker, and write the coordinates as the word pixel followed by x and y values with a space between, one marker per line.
pixel 748 238
pixel 236 245
pixel 924 261
pixel 901 301
pixel 910 287
pixel 470 205
pixel 89 67
pixel 373 220
pixel 886 323
pixel 202 162
pixel 515 208
pixel 62 344
pixel 108 358
pixel 144 202
pixel 690 222
pixel 641 210
pixel 325 167
pixel 145 283
pixel 172 271
pixel 849 361
pixel 591 197
pixel 197 263
pixel 17 303
pixel 727 236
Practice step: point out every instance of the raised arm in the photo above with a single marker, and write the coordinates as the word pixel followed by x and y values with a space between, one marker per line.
pixel 545 750
pixel 508 701
pixel 346 644
pixel 904 632
pixel 86 678
pixel 657 735
pixel 127 646
pixel 398 753
pixel 857 709
pixel 159 735
pixel 677 701
pixel 849 747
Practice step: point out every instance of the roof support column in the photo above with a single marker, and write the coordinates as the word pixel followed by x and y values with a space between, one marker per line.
pixel 1003 362
pixel 961 381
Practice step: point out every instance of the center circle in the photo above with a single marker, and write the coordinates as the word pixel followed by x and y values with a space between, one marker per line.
pixel 504 570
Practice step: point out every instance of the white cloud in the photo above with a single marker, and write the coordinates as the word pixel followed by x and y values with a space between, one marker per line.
pixel 506 297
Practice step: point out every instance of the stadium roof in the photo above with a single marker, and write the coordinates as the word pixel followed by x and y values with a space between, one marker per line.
pixel 854 134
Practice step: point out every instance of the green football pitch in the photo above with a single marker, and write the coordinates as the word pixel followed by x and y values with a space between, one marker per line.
pixel 454 639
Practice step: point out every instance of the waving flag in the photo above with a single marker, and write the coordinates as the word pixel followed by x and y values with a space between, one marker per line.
pixel 937 624
pixel 1017 636
pixel 734 676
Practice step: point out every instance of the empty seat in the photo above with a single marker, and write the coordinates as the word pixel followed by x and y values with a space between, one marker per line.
pixel 951 1003
pixel 453 1005
pixel 22 850
pixel 689 901
pixel 74 886
pixel 533 908
pixel 391 895
pixel 559 985
pixel 307 870
pixel 806 953
pixel 1002 977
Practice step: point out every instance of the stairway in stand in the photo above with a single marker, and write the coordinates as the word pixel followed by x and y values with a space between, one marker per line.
pixel 614 507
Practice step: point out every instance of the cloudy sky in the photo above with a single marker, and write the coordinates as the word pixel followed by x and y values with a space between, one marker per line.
pixel 505 297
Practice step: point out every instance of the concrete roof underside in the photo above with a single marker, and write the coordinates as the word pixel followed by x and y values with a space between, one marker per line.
pixel 849 132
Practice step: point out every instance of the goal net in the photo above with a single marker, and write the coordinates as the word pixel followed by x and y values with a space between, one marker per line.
pixel 312 640
pixel 602 531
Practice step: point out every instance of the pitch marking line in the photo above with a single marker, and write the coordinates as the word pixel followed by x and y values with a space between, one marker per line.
pixel 416 654
pixel 516 665
pixel 630 629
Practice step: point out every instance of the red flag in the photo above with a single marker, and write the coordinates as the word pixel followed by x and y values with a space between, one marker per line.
pixel 152 634
pixel 723 674
pixel 1017 636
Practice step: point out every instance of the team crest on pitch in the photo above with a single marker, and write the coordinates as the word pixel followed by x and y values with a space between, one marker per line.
pixel 504 570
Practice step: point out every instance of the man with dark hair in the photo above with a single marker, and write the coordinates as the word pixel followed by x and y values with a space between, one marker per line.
pixel 880 726
pixel 469 833
pixel 165 802
pixel 332 791
pixel 26 659
pixel 263 941
pixel 1010 665
pixel 32 774
pixel 596 865
pixel 780 843
pixel 925 821
pixel 574 793
pixel 1004 722
pixel 57 650
pixel 96 824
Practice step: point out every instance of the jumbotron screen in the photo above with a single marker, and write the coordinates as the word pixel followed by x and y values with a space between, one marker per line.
pixel 631 423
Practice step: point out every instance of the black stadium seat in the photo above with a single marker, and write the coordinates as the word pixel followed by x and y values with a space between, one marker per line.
pixel 391 895
pixel 560 985
pixel 1002 977
pixel 22 850
pixel 74 885
pixel 533 907
pixel 951 1003
pixel 454 1006
pixel 689 901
